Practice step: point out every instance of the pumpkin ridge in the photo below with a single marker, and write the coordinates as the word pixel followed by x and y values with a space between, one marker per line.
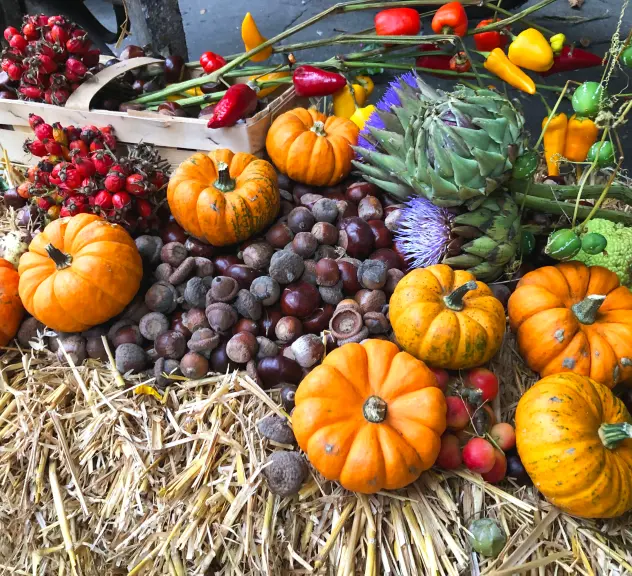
pixel 356 472
pixel 391 442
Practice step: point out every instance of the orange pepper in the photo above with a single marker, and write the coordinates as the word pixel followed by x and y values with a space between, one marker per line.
pixel 252 38
pixel 581 134
pixel 498 63
pixel 554 142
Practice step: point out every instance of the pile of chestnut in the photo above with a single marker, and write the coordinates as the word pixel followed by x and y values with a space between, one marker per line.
pixel 319 277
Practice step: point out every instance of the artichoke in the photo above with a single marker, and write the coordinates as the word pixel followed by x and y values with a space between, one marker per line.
pixel 452 148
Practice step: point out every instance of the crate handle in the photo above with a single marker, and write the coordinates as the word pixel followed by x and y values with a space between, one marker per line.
pixel 80 99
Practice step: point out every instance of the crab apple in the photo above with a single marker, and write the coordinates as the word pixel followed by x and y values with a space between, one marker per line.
pixel 483 385
pixel 10 32
pixel 504 435
pixel 450 453
pixel 458 415
pixel 442 377
pixel 498 470
pixel 479 455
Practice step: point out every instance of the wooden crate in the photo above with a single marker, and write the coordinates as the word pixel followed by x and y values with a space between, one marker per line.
pixel 175 138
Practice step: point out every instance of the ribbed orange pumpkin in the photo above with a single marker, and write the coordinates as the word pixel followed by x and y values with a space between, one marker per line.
pixel 370 416
pixel 575 441
pixel 11 309
pixel 446 318
pixel 312 148
pixel 79 272
pixel 222 197
pixel 574 318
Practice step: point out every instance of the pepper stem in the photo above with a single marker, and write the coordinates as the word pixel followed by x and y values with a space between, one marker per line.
pixel 61 259
pixel 586 310
pixel 374 410
pixel 319 128
pixel 454 300
pixel 224 182
pixel 611 435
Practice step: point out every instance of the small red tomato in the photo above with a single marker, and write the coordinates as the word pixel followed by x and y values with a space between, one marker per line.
pixel 442 378
pixel 479 455
pixel 10 32
pixel 504 435
pixel 18 42
pixel 458 416
pixel 499 469
pixel 483 383
pixel 450 453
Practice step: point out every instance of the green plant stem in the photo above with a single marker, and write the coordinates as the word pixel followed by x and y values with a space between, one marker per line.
pixel 529 23
pixel 511 19
pixel 562 193
pixel 603 195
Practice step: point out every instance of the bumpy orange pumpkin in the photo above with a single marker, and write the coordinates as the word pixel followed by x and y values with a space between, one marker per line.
pixel 11 309
pixel 575 441
pixel 222 197
pixel 370 416
pixel 574 318
pixel 446 318
pixel 312 148
pixel 79 272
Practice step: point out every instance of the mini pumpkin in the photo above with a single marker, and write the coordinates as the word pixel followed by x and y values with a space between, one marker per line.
pixel 574 438
pixel 222 197
pixel 11 309
pixel 446 318
pixel 312 148
pixel 370 417
pixel 79 272
pixel 574 318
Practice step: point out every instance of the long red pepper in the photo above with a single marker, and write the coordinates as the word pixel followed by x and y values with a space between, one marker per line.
pixel 310 81
pixel 436 62
pixel 571 58
pixel 239 101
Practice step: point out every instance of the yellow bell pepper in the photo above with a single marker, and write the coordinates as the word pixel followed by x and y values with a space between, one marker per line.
pixel 263 92
pixel 580 136
pixel 554 142
pixel 345 103
pixel 557 43
pixel 252 38
pixel 498 63
pixel 361 115
pixel 531 50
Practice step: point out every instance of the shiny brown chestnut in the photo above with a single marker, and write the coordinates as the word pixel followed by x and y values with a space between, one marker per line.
pixel 359 190
pixel 173 232
pixel 196 247
pixel 279 235
pixel 300 220
pixel 219 361
pixel 391 258
pixel 246 325
pixel 349 277
pixel 269 321
pixel 382 235
pixel 288 329
pixel 300 299
pixel 223 262
pixel 243 274
pixel 177 324
pixel 279 369
pixel 356 237
pixel 318 321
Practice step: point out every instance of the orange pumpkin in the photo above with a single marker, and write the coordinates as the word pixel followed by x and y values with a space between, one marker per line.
pixel 574 318
pixel 575 441
pixel 312 148
pixel 11 309
pixel 79 272
pixel 222 197
pixel 446 318
pixel 370 417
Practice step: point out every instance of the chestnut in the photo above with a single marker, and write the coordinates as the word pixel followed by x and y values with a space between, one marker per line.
pixel 304 244
pixel 219 361
pixel 308 350
pixel 162 297
pixel 193 365
pixel 224 262
pixel 325 210
pixel 131 51
pixel 198 248
pixel 327 272
pixel 171 344
pixel 393 276
pixel 246 325
pixel 359 190
pixel 300 220
pixel 95 348
pixel 349 276
pixel 370 208
pixel 75 347
pixel 266 290
pixel 391 258
pixel 242 347
pixel 279 235
pixel 309 272
pixel 285 183
pixel 324 251
pixel 356 237
pixel 195 319
pixel 300 299
pixel 370 300
pixel 266 348
pixel 279 369
pixel 288 329
pixel 178 325
pixel 173 253
pixel 173 232
pixel 299 190
pixel 392 219
pixel 269 320
pixel 318 321
pixel 288 394
pixel 376 323
pixel 372 274
pixel 163 272
pixel 174 68
pixel 203 341
pixel 325 233
pixel 223 289
pixel 258 255
pixel 130 358
pixel 127 335
pixel 243 274
pixel 168 367
pixel 331 294
pixel 149 248
pixel 309 200
pixel 346 210
pixel 382 235
pixel 502 292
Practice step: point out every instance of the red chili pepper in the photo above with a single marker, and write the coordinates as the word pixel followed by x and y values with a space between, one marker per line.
pixel 238 101
pixel 436 62
pixel 571 58
pixel 211 62
pixel 487 41
pixel 450 19
pixel 397 22
pixel 460 62
pixel 312 82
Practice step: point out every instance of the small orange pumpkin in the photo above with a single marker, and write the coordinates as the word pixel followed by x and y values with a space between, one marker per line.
pixel 370 417
pixel 312 148
pixel 574 438
pixel 446 318
pixel 222 197
pixel 11 309
pixel 79 272
pixel 574 318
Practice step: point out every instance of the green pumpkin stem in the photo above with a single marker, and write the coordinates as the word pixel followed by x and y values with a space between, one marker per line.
pixel 61 259
pixel 454 300
pixel 374 410
pixel 611 435
pixel 586 310
pixel 224 182
pixel 319 128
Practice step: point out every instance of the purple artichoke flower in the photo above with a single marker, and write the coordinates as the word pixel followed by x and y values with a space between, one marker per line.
pixel 365 140
pixel 423 232
pixel 390 97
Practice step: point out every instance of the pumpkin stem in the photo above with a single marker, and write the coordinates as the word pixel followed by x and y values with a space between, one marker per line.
pixel 61 259
pixel 319 128
pixel 612 434
pixel 454 300
pixel 224 182
pixel 586 310
pixel 374 409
